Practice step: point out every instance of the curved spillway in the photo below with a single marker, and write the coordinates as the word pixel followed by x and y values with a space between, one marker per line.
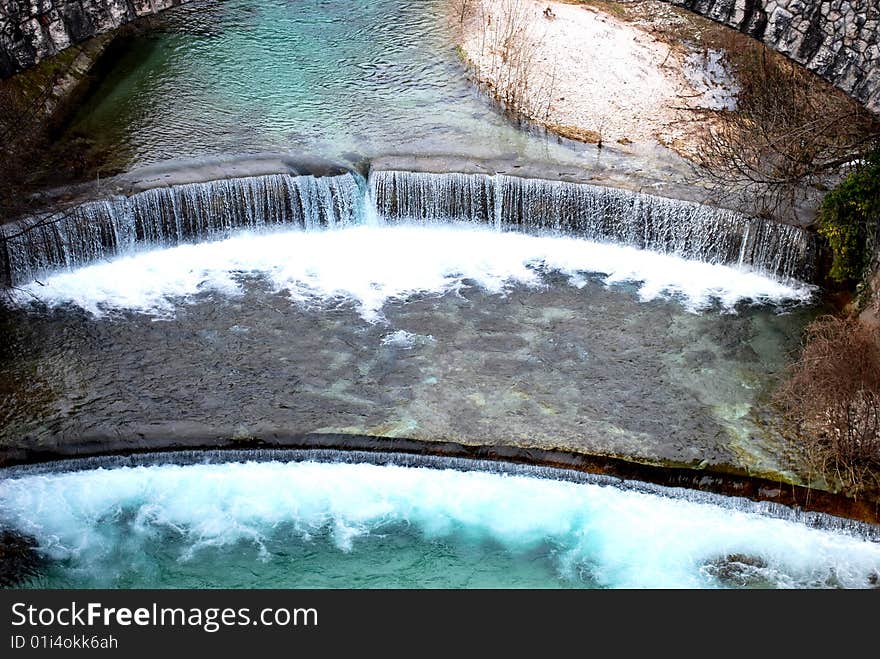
pixel 169 216
pixel 398 306
pixel 312 523
pixel 650 222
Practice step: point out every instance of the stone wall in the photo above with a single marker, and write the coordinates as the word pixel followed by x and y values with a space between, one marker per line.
pixel 837 39
pixel 31 30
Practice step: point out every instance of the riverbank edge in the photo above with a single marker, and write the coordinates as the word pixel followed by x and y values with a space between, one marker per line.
pixel 717 479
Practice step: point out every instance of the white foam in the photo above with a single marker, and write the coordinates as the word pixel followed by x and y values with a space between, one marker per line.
pixel 374 265
pixel 623 538
pixel 405 340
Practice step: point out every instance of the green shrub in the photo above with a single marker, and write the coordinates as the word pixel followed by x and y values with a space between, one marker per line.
pixel 848 220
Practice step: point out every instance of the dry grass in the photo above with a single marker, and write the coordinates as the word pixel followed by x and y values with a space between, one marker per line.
pixel 509 47
pixel 672 25
pixel 576 133
pixel 831 397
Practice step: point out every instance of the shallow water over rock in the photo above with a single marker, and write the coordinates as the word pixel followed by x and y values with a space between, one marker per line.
pixel 443 333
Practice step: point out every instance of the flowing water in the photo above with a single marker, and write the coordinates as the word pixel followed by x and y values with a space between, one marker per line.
pixel 167 216
pixel 462 307
pixel 328 315
pixel 335 78
pixel 354 525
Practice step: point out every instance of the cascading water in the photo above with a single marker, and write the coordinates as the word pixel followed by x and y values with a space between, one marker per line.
pixel 452 334
pixel 385 326
pixel 201 211
pixel 333 519
pixel 168 216
pixel 659 224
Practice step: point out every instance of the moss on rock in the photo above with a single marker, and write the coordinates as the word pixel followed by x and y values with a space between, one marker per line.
pixel 848 221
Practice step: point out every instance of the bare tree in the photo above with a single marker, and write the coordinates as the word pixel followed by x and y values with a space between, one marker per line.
pixel 510 45
pixel 462 10
pixel 23 135
pixel 831 396
pixel 30 157
pixel 790 135
pixel 32 160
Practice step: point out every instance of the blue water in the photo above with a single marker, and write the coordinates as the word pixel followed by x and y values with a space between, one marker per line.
pixel 327 77
pixel 326 525
pixel 338 79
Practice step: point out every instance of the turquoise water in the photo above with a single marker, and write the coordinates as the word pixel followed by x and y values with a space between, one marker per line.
pixel 328 525
pixel 335 78
pixel 409 343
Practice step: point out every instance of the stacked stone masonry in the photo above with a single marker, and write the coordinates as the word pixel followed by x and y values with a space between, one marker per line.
pixel 837 39
pixel 32 30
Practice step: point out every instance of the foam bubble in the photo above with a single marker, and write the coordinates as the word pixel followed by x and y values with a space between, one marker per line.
pixel 623 539
pixel 374 265
pixel 405 340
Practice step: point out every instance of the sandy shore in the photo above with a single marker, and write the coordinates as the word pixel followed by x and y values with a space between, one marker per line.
pixel 589 75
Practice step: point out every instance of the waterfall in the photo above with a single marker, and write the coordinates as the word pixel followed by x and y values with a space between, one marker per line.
pixel 687 229
pixel 195 212
pixel 170 215
pixel 424 460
